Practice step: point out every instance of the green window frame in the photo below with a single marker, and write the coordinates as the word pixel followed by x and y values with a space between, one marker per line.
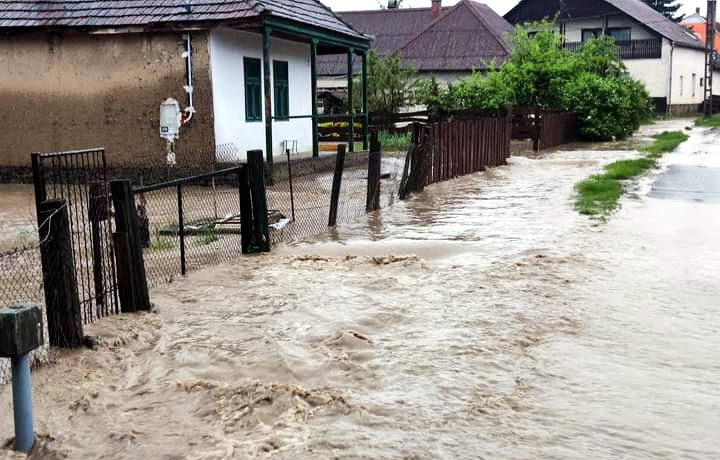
pixel 281 90
pixel 253 89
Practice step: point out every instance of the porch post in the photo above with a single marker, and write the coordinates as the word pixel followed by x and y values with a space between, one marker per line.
pixel 268 96
pixel 313 90
pixel 350 84
pixel 366 117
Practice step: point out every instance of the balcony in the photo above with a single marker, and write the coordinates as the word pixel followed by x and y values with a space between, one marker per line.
pixel 634 49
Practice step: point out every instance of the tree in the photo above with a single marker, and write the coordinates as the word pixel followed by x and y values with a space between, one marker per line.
pixel 390 84
pixel 592 82
pixel 669 8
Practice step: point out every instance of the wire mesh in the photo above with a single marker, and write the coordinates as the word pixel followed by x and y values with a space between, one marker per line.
pixel 194 221
pixel 299 197
pixel 80 179
pixel 21 282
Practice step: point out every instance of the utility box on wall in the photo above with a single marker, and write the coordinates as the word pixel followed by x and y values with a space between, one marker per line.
pixel 21 330
pixel 170 119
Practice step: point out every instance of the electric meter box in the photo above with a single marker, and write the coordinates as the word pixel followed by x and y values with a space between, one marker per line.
pixel 170 119
pixel 21 330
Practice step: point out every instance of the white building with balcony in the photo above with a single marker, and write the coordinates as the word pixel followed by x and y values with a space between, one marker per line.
pixel 668 58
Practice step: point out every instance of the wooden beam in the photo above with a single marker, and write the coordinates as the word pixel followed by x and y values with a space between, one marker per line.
pixel 351 109
pixel 313 85
pixel 268 96
pixel 366 119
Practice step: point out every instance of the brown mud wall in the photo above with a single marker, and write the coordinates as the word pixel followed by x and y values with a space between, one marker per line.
pixel 74 91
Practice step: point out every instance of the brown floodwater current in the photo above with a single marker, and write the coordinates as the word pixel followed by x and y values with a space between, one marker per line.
pixel 482 319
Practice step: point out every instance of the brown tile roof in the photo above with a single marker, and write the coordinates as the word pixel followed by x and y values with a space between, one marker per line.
pixel 468 35
pixel 533 10
pixel 117 13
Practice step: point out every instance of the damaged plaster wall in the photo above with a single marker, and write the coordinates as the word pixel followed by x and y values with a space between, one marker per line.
pixel 74 91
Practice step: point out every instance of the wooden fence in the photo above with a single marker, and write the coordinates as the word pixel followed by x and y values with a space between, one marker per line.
pixel 454 147
pixel 546 128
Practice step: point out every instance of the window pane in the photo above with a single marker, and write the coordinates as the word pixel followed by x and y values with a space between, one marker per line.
pixel 281 89
pixel 589 34
pixel 620 34
pixel 253 92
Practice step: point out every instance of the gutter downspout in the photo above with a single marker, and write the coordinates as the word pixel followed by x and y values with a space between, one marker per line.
pixel 670 80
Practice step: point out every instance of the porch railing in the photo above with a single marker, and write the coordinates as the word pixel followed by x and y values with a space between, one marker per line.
pixel 633 49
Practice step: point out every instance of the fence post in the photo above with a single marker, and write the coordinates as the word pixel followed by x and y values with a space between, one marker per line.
pixel 337 182
pixel 62 302
pixel 538 129
pixel 132 282
pixel 374 168
pixel 246 219
pixel 261 227
pixel 181 229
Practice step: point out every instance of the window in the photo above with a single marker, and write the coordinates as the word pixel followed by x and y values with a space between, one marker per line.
pixel 682 84
pixel 281 90
pixel 589 34
pixel 694 83
pixel 253 89
pixel 620 34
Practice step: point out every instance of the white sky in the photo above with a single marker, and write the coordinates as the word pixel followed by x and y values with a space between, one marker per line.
pixel 501 6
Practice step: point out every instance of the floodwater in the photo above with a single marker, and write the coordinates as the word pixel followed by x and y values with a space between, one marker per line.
pixel 482 319
pixel 18 223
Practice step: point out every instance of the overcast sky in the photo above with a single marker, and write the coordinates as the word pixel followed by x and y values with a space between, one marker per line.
pixel 501 6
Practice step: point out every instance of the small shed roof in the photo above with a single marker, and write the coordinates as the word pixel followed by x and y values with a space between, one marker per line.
pixel 26 14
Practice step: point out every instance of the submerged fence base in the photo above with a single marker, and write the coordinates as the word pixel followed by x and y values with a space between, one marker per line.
pixel 455 147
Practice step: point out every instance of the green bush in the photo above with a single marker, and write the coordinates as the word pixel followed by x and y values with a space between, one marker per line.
pixel 608 108
pixel 592 82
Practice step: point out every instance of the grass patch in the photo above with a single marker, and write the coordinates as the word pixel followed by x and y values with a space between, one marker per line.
pixel 394 142
pixel 708 122
pixel 665 142
pixel 600 194
pixel 207 236
pixel 161 242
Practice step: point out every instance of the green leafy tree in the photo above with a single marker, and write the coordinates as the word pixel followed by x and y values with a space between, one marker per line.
pixel 592 82
pixel 391 85
pixel 668 8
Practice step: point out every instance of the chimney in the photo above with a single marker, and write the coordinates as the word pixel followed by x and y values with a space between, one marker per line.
pixel 436 8
pixel 697 10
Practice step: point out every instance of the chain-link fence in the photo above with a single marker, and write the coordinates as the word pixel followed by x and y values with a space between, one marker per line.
pixel 299 196
pixel 21 282
pixel 189 224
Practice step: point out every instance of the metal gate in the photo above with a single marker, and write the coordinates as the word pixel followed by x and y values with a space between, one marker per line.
pixel 80 178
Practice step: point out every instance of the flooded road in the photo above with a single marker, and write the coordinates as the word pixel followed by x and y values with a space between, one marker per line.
pixel 17 216
pixel 482 319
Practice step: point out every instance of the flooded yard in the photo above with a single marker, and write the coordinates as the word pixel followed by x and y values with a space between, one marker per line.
pixel 484 318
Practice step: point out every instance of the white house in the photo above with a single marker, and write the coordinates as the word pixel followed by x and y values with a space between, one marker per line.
pixel 668 58
pixel 94 73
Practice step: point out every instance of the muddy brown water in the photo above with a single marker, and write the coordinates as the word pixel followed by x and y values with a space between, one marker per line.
pixel 483 319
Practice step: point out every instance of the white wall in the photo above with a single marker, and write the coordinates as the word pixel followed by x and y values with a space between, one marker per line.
pixel 228 47
pixel 655 73
pixel 686 62
pixel 573 30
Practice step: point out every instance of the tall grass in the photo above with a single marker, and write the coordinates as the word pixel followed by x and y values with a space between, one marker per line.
pixel 393 142
pixel 708 122
pixel 600 194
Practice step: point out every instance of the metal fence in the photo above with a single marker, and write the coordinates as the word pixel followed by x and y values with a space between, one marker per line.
pixel 190 223
pixel 21 282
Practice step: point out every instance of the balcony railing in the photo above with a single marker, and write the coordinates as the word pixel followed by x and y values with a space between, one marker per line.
pixel 634 49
